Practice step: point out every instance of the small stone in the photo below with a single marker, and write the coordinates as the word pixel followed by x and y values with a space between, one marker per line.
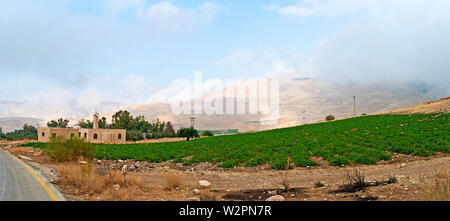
pixel 292 195
pixel 83 162
pixel 196 191
pixel 403 165
pixel 116 187
pixel 24 157
pixel 204 183
pixel 406 189
pixel 275 198
pixel 274 192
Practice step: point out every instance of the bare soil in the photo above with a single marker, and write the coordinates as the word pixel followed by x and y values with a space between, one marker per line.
pixel 414 176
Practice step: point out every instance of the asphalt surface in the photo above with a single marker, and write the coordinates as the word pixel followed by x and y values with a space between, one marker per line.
pixel 19 184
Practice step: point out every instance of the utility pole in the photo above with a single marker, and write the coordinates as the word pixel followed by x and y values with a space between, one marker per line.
pixel 354 105
pixel 192 121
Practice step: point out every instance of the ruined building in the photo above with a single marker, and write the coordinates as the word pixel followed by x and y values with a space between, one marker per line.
pixel 94 135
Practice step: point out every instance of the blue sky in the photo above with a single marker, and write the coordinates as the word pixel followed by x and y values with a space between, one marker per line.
pixel 70 56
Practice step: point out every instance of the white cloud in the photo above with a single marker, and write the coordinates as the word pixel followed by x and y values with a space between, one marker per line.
pixel 165 15
pixel 403 40
pixel 258 63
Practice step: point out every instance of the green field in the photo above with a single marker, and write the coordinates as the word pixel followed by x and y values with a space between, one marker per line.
pixel 360 140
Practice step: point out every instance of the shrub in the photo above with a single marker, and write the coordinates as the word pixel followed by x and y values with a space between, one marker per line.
pixel 208 133
pixel 173 181
pixel 440 191
pixel 319 184
pixel 66 150
pixel 329 118
pixel 134 135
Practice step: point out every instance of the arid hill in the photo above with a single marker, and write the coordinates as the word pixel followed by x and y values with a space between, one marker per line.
pixel 427 107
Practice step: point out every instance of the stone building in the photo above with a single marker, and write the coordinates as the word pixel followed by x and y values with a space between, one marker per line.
pixel 94 135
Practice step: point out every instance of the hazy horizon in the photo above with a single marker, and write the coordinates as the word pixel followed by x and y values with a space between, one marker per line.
pixel 75 56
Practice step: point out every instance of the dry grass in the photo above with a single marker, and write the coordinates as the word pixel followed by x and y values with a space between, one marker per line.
pixel 440 191
pixel 207 196
pixel 173 181
pixel 21 150
pixel 84 179
pixel 356 181
pixel 126 194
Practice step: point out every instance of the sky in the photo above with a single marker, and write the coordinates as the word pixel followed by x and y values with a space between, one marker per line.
pixel 69 57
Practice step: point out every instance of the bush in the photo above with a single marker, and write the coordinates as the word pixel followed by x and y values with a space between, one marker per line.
pixel 208 133
pixel 66 150
pixel 134 135
pixel 329 118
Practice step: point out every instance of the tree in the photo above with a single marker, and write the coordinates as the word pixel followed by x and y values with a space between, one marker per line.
pixel 102 123
pixel 188 133
pixel 156 129
pixel 169 131
pixel 87 124
pixel 123 120
pixel 2 135
pixel 60 123
pixel 28 132
pixel 329 118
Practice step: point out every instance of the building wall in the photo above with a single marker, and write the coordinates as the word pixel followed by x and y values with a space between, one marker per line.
pixel 44 134
pixel 108 136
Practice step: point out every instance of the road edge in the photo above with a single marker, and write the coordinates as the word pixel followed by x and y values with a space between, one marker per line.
pixel 50 186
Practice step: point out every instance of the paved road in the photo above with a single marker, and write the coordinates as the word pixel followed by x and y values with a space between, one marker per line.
pixel 17 183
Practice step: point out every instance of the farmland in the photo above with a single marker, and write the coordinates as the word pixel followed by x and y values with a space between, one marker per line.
pixel 360 140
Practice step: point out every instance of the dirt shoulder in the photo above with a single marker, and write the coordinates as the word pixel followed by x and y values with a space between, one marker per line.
pixel 414 177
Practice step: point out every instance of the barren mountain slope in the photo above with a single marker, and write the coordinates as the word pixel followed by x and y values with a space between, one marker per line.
pixel 427 107
pixel 304 101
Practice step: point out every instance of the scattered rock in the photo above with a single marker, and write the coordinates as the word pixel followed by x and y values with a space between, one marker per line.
pixel 204 183
pixel 24 157
pixel 116 187
pixel 403 165
pixel 83 162
pixel 273 192
pixel 196 191
pixel 275 198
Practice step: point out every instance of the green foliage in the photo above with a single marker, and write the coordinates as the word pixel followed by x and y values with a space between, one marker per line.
pixel 85 124
pixel 374 140
pixel 66 150
pixel 60 123
pixel 89 124
pixel 123 120
pixel 329 118
pixel 156 130
pixel 208 133
pixel 2 135
pixel 189 133
pixel 134 135
pixel 28 132
pixel 319 184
